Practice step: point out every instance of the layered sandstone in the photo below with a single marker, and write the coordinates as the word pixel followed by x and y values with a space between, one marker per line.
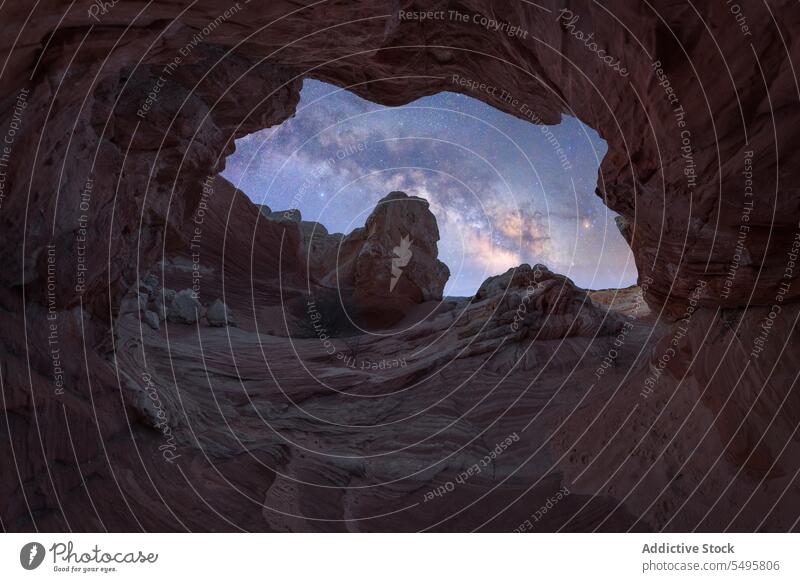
pixel 115 128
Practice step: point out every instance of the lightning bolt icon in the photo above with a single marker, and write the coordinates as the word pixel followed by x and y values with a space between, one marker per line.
pixel 401 256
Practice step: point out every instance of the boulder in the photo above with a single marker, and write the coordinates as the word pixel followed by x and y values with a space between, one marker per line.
pixel 388 265
pixel 149 284
pixel 533 302
pixel 162 301
pixel 185 308
pixel 151 319
pixel 517 278
pixel 218 315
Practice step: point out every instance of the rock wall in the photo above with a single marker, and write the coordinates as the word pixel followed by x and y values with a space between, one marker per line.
pixel 689 96
pixel 114 123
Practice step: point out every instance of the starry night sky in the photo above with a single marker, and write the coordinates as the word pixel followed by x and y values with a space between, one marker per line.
pixel 499 191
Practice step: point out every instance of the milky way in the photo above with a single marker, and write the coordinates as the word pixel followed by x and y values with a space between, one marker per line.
pixel 504 191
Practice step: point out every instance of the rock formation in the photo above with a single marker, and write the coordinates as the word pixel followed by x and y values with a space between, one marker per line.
pixel 538 304
pixel 388 265
pixel 114 134
pixel 218 315
pixel 647 177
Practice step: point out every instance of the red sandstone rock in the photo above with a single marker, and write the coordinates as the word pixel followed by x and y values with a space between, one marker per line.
pixel 84 453
pixel 388 265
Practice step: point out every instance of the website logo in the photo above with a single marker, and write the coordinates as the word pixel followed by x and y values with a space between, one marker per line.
pixel 402 255
pixel 31 555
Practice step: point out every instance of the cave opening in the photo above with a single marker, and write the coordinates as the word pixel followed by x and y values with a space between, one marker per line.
pixel 504 191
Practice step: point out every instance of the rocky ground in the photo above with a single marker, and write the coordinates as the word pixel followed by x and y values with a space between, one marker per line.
pixel 668 406
pixel 448 420
pixel 526 407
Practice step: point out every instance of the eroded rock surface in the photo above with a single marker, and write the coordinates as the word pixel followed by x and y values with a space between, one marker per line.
pixel 673 169
pixel 94 155
pixel 386 266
